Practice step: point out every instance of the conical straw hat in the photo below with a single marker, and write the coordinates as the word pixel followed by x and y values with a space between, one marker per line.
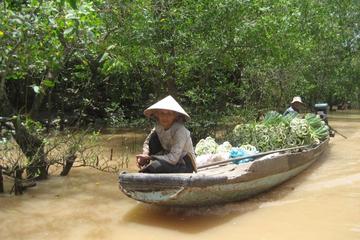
pixel 168 103
pixel 297 99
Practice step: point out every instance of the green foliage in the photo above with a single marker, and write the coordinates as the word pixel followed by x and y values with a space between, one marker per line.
pixel 109 59
pixel 34 127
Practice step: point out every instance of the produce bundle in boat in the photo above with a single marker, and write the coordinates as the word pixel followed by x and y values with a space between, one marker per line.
pixel 273 133
pixel 277 131
pixel 283 146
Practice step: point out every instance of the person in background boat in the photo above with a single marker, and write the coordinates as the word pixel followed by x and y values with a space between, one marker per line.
pixel 295 106
pixel 168 148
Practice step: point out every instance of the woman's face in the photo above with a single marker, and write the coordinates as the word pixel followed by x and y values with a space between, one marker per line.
pixel 297 106
pixel 166 117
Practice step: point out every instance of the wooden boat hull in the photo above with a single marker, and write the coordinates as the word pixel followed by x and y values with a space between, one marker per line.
pixel 209 187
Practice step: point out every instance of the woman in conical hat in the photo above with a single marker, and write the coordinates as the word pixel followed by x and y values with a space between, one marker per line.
pixel 168 148
pixel 295 106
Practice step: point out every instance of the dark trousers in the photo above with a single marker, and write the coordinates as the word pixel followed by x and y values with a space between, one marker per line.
pixel 161 166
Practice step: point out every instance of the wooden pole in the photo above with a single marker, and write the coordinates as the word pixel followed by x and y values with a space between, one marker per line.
pixel 337 132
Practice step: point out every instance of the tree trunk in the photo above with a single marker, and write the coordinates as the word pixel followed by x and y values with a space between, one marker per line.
pixel 170 73
pixel 5 107
pixel 1 181
pixel 165 47
pixel 33 149
pixel 36 105
pixel 18 179
pixel 30 145
pixel 69 161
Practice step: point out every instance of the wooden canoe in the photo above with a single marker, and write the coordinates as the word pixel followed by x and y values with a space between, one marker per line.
pixel 219 184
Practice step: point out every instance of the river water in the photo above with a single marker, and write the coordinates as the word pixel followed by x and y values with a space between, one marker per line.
pixel 322 203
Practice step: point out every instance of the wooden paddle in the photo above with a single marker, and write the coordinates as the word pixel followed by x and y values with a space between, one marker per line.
pixel 331 128
pixel 253 156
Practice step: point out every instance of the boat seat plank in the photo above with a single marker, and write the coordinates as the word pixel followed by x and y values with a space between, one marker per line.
pixel 218 170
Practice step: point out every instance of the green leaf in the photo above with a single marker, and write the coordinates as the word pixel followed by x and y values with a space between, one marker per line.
pixel 91 35
pixel 73 3
pixel 72 16
pixel 68 31
pixel 36 88
pixel 110 47
pixel 1 33
pixel 104 56
pixel 48 83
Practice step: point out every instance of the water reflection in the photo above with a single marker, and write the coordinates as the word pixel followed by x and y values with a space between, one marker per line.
pixel 182 220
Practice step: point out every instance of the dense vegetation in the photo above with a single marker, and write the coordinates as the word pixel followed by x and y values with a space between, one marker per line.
pixel 108 58
pixel 104 61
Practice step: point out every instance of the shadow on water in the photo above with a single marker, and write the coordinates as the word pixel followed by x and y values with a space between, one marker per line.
pixel 199 219
pixel 191 220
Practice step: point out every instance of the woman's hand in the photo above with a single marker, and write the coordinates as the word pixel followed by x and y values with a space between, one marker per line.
pixel 142 160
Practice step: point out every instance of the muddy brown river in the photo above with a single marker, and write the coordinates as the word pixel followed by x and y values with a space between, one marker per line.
pixel 322 203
